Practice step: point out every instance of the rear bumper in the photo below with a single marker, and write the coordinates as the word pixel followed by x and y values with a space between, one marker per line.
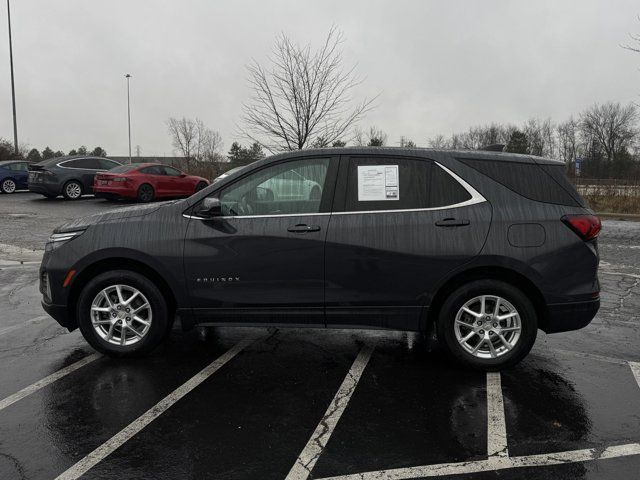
pixel 45 188
pixel 564 317
pixel 108 191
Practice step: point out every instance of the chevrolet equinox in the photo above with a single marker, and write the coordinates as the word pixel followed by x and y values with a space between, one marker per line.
pixel 484 247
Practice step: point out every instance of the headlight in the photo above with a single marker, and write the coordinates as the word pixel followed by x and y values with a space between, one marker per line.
pixel 58 239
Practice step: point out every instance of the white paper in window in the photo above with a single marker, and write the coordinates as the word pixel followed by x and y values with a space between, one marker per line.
pixel 378 182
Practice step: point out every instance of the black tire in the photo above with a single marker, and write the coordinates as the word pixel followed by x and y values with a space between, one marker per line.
pixel 201 185
pixel 160 322
pixel 73 190
pixel 453 304
pixel 146 193
pixel 8 185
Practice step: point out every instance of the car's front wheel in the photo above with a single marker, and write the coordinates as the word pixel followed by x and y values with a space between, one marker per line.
pixel 8 186
pixel 488 324
pixel 122 313
pixel 201 185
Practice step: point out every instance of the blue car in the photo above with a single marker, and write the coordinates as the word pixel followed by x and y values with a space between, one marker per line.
pixel 13 176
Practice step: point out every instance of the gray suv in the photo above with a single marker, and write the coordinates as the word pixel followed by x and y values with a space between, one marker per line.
pixel 484 248
pixel 71 177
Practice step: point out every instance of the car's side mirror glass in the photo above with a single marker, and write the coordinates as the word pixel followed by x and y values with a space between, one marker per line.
pixel 210 207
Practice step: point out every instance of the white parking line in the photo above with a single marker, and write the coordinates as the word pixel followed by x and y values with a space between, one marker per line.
pixel 34 387
pixel 496 463
pixel 108 447
pixel 635 368
pixel 320 437
pixel 496 423
pixel 4 331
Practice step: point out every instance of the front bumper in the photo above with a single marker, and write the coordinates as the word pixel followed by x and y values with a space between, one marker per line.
pixel 60 314
pixel 564 317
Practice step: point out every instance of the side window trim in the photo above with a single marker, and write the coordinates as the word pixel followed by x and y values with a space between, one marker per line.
pixel 476 197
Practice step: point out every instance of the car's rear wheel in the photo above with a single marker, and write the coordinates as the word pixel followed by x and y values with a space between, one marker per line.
pixel 122 313
pixel 8 185
pixel 146 193
pixel 72 190
pixel 488 324
pixel 201 185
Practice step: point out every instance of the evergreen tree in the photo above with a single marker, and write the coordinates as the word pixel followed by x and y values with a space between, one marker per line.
pixel 518 142
pixel 34 155
pixel 99 152
pixel 47 153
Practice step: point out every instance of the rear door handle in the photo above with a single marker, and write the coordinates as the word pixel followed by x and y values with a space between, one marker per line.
pixel 303 228
pixel 452 222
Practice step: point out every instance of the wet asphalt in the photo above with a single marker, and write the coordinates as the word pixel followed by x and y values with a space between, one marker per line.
pixel 411 408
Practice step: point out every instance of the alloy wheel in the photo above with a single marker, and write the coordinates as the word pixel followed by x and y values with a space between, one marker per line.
pixel 121 315
pixel 487 326
pixel 73 190
pixel 8 186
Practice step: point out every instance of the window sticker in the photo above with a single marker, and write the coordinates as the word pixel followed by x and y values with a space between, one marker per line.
pixel 378 182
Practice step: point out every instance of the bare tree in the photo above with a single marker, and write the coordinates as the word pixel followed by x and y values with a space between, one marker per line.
pixel 612 125
pixel 375 137
pixel 635 39
pixel 569 145
pixel 184 134
pixel 304 96
pixel 210 145
pixel 194 140
pixel 439 141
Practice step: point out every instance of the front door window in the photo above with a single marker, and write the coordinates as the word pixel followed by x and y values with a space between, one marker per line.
pixel 286 189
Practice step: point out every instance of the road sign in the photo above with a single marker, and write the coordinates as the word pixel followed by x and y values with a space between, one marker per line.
pixel 578 166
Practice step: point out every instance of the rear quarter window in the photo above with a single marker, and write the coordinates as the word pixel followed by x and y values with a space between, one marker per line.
pixel 530 180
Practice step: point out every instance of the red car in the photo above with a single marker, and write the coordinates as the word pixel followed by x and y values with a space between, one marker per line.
pixel 146 182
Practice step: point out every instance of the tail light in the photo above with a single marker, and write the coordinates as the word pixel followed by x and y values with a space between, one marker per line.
pixel 587 227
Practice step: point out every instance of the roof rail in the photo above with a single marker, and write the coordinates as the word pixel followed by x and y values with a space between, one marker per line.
pixel 494 147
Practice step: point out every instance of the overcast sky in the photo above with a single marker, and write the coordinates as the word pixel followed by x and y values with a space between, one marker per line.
pixel 440 66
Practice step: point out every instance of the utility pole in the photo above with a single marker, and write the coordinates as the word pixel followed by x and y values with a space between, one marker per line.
pixel 127 76
pixel 13 88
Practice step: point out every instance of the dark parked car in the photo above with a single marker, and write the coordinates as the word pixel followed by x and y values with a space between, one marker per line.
pixel 71 177
pixel 485 247
pixel 13 176
pixel 146 182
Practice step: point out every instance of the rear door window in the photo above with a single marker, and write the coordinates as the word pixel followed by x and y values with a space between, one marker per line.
pixel 387 183
pixel 83 163
pixel 153 170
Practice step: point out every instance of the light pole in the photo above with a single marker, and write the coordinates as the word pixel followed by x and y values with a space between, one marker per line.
pixel 13 89
pixel 127 76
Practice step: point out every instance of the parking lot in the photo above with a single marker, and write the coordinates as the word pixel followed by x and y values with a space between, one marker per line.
pixel 266 403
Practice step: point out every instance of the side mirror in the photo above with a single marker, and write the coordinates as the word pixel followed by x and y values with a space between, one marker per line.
pixel 182 175
pixel 210 207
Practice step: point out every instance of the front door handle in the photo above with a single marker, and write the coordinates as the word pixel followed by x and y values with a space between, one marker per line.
pixel 452 222
pixel 303 228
